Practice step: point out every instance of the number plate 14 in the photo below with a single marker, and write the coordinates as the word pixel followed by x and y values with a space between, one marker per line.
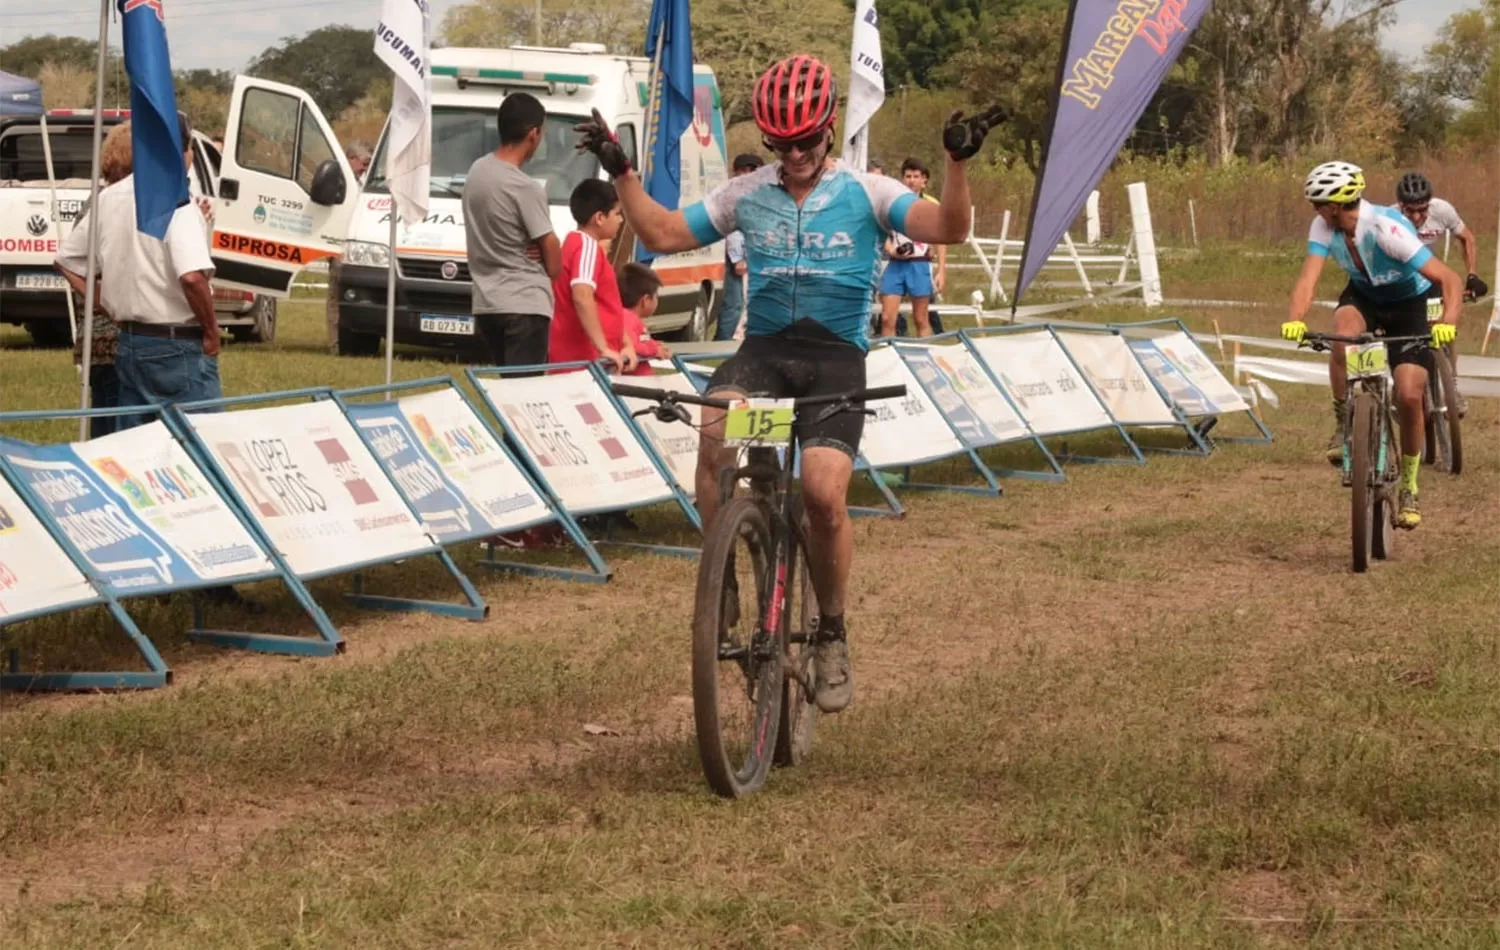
pixel 759 422
pixel 1365 360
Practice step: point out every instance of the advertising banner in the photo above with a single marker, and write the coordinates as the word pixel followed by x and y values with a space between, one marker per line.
pixel 1110 364
pixel 141 510
pixel 306 477
pixel 36 574
pixel 448 466
pixel 965 394
pixel 1042 382
pixel 575 438
pixel 676 443
pixel 1192 362
pixel 902 431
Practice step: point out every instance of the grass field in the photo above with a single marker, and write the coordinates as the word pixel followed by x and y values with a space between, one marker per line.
pixel 1149 707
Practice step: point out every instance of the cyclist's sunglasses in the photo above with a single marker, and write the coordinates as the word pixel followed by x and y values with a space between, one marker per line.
pixel 1320 205
pixel 1417 209
pixel 805 144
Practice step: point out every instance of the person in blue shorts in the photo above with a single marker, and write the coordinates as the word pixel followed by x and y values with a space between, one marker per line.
pixel 1390 272
pixel 813 234
pixel 916 270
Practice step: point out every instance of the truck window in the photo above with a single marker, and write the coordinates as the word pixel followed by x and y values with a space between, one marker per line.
pixel 461 135
pixel 22 158
pixel 268 132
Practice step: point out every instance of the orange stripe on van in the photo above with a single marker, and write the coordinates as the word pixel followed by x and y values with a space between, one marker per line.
pixel 692 274
pixel 270 250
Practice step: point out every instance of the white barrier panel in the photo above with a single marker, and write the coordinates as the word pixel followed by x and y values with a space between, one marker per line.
pixel 676 443
pixel 1118 378
pixel 965 393
pixel 141 510
pixel 306 477
pixel 449 466
pixel 1184 395
pixel 36 574
pixel 1190 359
pixel 906 431
pixel 576 439
pixel 1043 383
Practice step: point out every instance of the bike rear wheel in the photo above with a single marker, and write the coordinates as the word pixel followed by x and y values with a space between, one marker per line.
pixel 1445 425
pixel 1362 442
pixel 737 663
pixel 799 713
pixel 1387 480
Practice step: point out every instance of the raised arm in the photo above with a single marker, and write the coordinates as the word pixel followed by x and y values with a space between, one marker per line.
pixel 663 231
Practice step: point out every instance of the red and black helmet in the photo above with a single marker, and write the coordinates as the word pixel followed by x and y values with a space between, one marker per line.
pixel 795 98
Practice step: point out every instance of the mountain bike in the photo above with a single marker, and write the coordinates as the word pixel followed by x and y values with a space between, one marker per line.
pixel 752 660
pixel 1444 405
pixel 1372 454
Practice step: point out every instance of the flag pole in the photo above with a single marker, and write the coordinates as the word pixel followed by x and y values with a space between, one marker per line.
pixel 91 270
pixel 648 137
pixel 390 294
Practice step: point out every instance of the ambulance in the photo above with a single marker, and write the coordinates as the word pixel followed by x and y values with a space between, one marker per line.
pixel 288 198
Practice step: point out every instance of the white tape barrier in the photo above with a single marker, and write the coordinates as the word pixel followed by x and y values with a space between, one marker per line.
pixel 36 574
pixel 676 443
pixel 1118 378
pixel 305 476
pixel 1315 373
pixel 902 431
pixel 1043 383
pixel 576 439
pixel 965 393
pixel 449 467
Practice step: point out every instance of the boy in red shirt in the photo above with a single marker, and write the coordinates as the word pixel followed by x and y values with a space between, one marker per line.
pixel 587 317
pixel 639 285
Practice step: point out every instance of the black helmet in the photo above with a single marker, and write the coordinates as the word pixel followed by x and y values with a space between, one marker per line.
pixel 1413 188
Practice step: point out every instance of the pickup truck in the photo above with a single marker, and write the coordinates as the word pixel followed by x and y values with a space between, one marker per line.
pixel 32 293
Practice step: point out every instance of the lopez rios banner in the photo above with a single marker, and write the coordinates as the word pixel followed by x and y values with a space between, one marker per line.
pixel 1117 53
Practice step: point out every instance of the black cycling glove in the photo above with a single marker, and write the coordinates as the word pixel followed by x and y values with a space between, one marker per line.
pixel 1477 288
pixel 597 138
pixel 964 137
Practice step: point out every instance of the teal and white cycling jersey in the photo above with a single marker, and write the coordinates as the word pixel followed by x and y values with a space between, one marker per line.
pixel 817 262
pixel 1388 245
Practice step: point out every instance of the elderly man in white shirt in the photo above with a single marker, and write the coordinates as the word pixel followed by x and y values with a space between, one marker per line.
pixel 157 293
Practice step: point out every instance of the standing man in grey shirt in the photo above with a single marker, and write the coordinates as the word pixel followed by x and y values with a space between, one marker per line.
pixel 513 254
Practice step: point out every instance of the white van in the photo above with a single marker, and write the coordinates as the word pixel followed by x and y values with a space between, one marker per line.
pixel 286 227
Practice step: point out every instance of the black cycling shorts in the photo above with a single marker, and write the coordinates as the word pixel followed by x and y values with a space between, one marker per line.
pixel 803 360
pixel 1399 318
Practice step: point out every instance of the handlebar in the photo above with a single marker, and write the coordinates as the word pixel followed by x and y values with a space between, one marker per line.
pixel 667 396
pixel 1321 341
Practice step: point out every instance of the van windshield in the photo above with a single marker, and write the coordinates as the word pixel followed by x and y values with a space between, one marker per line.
pixel 460 136
pixel 22 157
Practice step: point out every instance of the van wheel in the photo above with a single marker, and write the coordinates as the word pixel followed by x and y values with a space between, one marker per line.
pixel 264 330
pixel 700 328
pixel 357 344
pixel 51 333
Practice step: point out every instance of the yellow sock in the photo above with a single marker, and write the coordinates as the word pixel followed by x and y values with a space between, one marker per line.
pixel 1410 465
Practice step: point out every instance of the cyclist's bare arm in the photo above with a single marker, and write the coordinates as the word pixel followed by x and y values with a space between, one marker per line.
pixel 1306 286
pixel 946 222
pixel 662 231
pixel 1452 285
pixel 1471 250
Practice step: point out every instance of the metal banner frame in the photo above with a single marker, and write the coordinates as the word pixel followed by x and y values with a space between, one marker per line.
pixel 597 376
pixel 1208 422
pixel 599 571
pixel 474 608
pixel 1136 457
pixel 1199 446
pixel 893 509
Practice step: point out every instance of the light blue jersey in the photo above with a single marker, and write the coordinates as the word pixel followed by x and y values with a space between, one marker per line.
pixel 1392 252
pixel 818 262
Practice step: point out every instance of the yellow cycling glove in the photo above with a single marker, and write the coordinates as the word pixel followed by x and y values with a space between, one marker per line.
pixel 1293 330
pixel 1443 333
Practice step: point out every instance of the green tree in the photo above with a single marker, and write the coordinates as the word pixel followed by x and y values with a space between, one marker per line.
pixel 334 64
pixel 25 57
pixel 731 36
pixel 919 36
pixel 497 24
pixel 1465 67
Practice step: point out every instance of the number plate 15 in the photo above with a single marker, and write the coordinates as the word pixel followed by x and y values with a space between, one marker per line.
pixel 759 422
pixel 1365 360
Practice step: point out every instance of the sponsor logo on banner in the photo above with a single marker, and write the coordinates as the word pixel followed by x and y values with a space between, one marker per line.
pixel 1042 382
pixel 906 430
pixel 35 573
pixel 1122 384
pixel 1179 388
pixel 346 471
pixel 600 430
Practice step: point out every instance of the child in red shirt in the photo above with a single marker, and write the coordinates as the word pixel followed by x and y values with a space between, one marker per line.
pixel 639 286
pixel 587 317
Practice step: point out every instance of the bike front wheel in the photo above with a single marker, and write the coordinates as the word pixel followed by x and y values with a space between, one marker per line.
pixel 1444 426
pixel 1363 440
pixel 799 713
pixel 737 658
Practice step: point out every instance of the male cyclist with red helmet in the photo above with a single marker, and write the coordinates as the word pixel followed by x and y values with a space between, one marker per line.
pixel 813 236
pixel 1390 273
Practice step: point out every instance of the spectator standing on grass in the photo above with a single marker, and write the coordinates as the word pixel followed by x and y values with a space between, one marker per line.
pixel 104 382
pixel 158 293
pixel 732 300
pixel 640 287
pixel 911 271
pixel 513 254
pixel 588 320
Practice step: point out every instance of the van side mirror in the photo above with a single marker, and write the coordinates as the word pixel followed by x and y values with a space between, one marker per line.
pixel 328 185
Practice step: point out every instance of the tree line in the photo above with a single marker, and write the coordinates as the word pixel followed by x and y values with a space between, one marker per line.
pixel 1259 79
